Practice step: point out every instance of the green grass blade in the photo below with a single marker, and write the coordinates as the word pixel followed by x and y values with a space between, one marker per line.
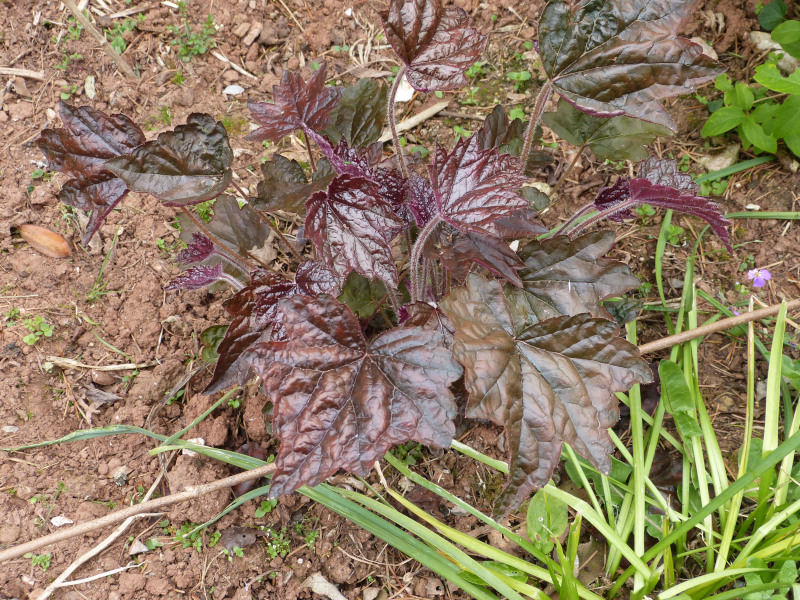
pixel 733 169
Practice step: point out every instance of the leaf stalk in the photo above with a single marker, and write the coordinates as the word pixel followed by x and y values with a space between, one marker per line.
pixel 393 127
pixel 536 117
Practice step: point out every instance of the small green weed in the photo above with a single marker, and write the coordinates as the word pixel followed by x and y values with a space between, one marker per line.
pixel 265 507
pixel 520 79
pixel 38 328
pixel 39 560
pixel 115 34
pixel 68 92
pixel 67 59
pixel 189 43
pixel 12 316
pixel 205 210
pixel 278 544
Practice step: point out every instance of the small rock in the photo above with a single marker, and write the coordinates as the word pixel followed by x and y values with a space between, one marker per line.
pixel 230 75
pixel 103 378
pixel 20 88
pixel 89 88
pixel 20 111
pixel 10 429
pixel 763 42
pixel 121 475
pixel 51 114
pixel 752 207
pixel 293 63
pixel 9 534
pixel 137 547
pixel 241 30
pixel 102 469
pixel 720 160
pixel 233 90
pixel 253 33
pixel 61 520
pixel 3 117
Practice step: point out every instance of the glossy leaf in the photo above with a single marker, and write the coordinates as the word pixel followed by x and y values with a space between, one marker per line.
pixel 284 186
pixel 198 250
pixel 548 384
pixel 196 278
pixel 460 251
pixel 240 229
pixel 188 165
pixel 298 105
pixel 351 226
pixel 617 138
pixel 89 138
pixel 472 188
pixel 434 43
pixel 498 131
pixel 422 314
pixel 342 402
pixel 254 310
pixel 569 277
pixel 660 184
pixel 621 56
pixel 361 114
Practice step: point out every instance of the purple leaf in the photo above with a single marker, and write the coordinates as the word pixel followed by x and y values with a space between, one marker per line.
pixel 473 188
pixel 313 278
pixel 284 186
pixel 298 105
pixel 188 165
pixel 660 184
pixel 196 278
pixel 97 192
pixel 434 43
pixel 341 402
pixel 200 248
pixel 620 57
pixel 351 226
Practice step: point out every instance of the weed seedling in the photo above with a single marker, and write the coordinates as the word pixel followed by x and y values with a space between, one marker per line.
pixel 99 288
pixel 38 329
pixel 188 43
pixel 39 560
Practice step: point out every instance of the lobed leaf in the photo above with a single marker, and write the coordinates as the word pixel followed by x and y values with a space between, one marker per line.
pixel 549 384
pixel 434 43
pixel 188 165
pixel 619 57
pixel 661 184
pixel 360 115
pixel 507 135
pixel 341 402
pixel 284 186
pixel 80 150
pixel 472 188
pixel 351 226
pixel 298 105
pixel 615 138
pixel 255 317
pixel 569 277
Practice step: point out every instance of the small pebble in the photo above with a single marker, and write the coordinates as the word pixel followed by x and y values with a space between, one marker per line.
pixel 61 520
pixel 137 547
pixel 10 429
pixel 233 90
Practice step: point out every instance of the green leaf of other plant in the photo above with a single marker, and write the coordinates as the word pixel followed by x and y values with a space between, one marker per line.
pixel 770 77
pixel 546 520
pixel 724 119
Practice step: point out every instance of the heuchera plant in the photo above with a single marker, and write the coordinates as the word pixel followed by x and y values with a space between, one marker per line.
pixel 410 303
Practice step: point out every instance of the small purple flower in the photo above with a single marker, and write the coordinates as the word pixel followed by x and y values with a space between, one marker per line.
pixel 759 276
pixel 734 311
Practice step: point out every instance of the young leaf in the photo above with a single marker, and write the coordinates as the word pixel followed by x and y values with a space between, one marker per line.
pixel 186 166
pixel 460 251
pixel 770 77
pixel 240 229
pixel 360 114
pixel 434 43
pixel 285 186
pixel 362 295
pixel 198 250
pixel 617 138
pixel 351 226
pixel 661 184
pixel 342 402
pixel 722 120
pixel 569 277
pixel 506 135
pixel 196 278
pixel 472 188
pixel 89 138
pixel 551 383
pixel 620 57
pixel 298 104
pixel 255 318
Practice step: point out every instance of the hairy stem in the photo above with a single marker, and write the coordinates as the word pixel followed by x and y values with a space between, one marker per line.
pixel 416 254
pixel 603 214
pixel 190 493
pixel 568 223
pixel 575 159
pixel 392 126
pixel 240 263
pixel 721 325
pixel 310 154
pixel 536 117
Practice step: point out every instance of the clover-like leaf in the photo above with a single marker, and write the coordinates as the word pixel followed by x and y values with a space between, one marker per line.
pixel 188 165
pixel 661 184
pixel 434 43
pixel 472 188
pixel 351 225
pixel 80 150
pixel 460 251
pixel 498 131
pixel 619 57
pixel 551 383
pixel 617 138
pixel 239 229
pixel 360 115
pixel 342 402
pixel 569 277
pixel 298 104
pixel 255 317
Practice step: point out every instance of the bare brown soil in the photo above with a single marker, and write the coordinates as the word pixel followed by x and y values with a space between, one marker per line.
pixel 133 320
